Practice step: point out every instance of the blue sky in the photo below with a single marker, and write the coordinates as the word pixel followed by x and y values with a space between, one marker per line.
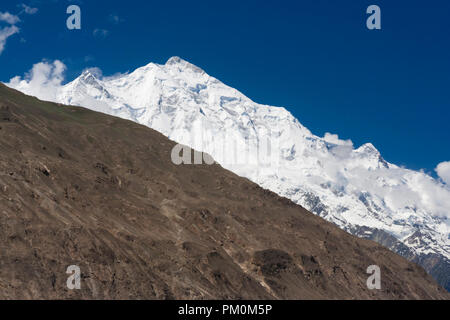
pixel 390 87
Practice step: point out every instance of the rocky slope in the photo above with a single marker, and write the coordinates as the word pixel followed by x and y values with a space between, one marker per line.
pixel 355 188
pixel 83 188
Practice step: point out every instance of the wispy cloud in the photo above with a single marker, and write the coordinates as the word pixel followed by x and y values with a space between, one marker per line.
pixel 5 33
pixel 9 18
pixel 28 9
pixel 114 18
pixel 89 58
pixel 102 33
pixel 114 76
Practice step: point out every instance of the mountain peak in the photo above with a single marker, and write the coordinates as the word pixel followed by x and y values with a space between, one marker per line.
pixel 183 64
pixel 88 76
pixel 86 72
pixel 369 151
pixel 175 60
pixel 368 148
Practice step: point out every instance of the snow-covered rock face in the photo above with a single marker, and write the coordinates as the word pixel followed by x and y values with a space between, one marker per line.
pixel 347 186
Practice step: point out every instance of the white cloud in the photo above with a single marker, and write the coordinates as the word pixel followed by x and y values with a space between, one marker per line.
pixel 334 139
pixel 342 148
pixel 28 10
pixel 114 18
pixel 398 188
pixel 43 81
pixel 9 18
pixel 443 171
pixel 5 33
pixel 89 58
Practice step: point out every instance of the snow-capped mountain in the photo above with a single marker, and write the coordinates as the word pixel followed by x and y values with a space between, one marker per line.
pixel 354 188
